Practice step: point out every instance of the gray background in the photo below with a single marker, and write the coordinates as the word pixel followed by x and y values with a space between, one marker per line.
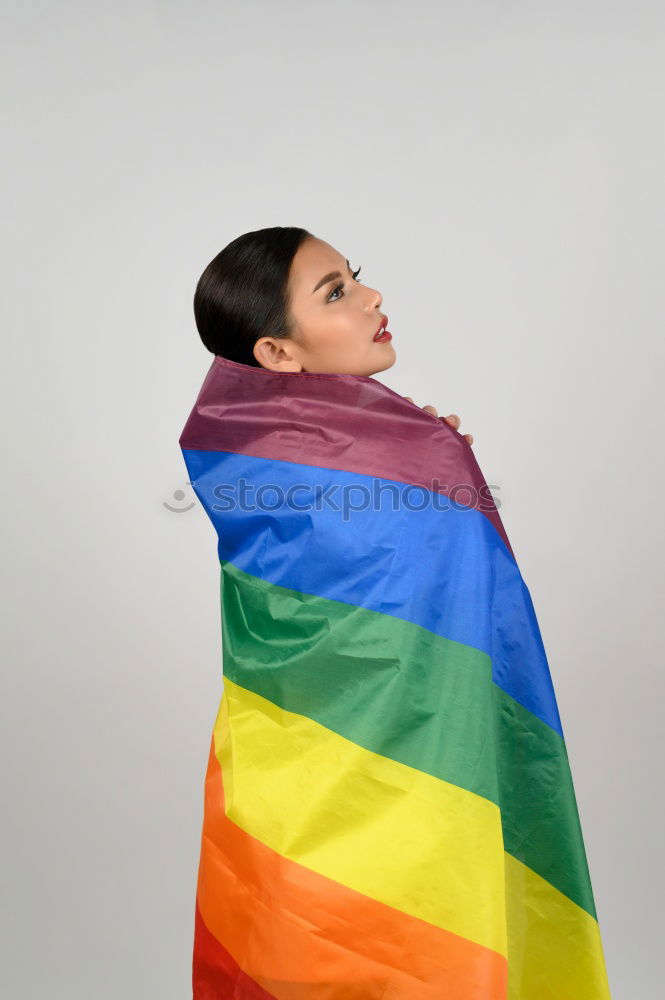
pixel 497 170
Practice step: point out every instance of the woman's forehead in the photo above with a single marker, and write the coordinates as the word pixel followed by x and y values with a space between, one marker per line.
pixel 315 260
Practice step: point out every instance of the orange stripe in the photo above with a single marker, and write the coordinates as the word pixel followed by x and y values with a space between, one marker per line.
pixel 303 936
pixel 215 973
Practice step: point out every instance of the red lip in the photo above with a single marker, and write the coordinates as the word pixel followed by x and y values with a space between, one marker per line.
pixel 384 324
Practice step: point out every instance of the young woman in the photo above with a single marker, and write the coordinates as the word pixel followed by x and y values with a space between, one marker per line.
pixel 289 302
pixel 389 810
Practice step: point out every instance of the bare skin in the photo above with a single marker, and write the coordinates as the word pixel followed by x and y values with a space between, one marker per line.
pixel 333 325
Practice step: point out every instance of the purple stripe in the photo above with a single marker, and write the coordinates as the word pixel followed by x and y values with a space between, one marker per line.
pixel 288 416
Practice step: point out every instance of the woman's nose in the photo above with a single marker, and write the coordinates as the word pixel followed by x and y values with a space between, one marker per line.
pixel 375 298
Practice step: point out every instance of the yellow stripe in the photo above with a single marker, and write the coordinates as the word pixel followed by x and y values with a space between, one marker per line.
pixel 376 825
pixel 396 834
pixel 554 946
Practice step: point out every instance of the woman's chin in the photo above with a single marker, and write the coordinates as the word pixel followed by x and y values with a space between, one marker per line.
pixel 391 354
pixel 389 359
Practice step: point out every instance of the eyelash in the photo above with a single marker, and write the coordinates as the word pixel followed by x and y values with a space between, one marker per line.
pixel 339 288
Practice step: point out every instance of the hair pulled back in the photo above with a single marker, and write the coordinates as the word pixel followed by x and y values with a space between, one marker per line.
pixel 243 293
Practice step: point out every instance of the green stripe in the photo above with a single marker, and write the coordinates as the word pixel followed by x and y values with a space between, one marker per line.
pixel 401 691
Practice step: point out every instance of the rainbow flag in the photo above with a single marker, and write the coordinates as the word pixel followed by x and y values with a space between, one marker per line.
pixel 389 812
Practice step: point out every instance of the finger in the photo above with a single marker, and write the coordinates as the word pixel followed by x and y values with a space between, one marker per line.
pixel 453 420
pixel 431 409
pixel 469 438
pixel 410 398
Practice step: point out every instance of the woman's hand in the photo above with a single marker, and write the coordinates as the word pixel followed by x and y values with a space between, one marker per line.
pixel 452 419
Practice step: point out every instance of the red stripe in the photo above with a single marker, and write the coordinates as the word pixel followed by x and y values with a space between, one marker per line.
pixel 215 973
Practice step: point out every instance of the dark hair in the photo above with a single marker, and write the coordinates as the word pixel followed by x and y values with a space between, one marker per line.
pixel 242 294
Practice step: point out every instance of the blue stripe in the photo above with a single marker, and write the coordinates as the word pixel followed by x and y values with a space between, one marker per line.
pixel 447 570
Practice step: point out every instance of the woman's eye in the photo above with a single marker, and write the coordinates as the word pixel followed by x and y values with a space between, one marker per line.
pixel 340 286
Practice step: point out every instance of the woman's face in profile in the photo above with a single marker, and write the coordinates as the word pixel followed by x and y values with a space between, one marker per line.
pixel 335 318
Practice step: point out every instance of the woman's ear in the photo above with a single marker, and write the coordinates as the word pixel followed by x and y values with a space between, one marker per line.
pixel 277 354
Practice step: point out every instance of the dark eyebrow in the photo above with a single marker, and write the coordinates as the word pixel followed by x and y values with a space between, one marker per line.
pixel 329 277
